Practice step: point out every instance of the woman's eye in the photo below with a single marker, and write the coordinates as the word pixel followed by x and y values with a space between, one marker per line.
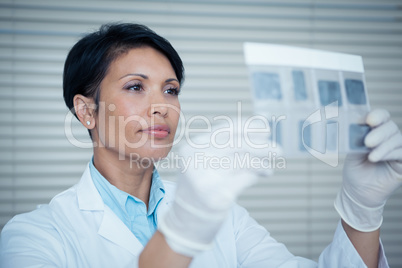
pixel 136 87
pixel 172 91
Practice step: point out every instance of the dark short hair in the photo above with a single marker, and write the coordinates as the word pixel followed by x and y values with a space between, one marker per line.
pixel 88 61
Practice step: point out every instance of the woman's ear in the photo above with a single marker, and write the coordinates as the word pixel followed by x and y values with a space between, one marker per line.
pixel 85 110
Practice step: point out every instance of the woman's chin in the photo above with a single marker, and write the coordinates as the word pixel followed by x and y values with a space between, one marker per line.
pixel 153 155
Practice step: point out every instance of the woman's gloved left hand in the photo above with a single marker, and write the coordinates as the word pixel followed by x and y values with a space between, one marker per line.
pixel 208 187
pixel 369 179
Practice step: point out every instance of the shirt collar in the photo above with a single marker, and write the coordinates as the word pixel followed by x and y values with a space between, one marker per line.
pixel 157 192
pixel 113 194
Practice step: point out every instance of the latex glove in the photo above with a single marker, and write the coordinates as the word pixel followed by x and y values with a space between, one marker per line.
pixel 206 191
pixel 370 179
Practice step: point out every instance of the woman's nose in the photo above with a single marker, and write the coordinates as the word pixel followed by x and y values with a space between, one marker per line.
pixel 160 109
pixel 158 106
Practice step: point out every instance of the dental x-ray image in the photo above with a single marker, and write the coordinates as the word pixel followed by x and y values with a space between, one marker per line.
pixel 320 97
pixel 267 86
pixel 299 85
pixel 355 91
pixel 329 92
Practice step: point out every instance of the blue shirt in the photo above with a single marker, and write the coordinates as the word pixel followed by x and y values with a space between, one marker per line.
pixel 131 210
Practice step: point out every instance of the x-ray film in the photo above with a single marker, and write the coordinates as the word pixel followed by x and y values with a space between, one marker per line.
pixel 268 85
pixel 299 85
pixel 355 91
pixel 329 92
pixel 319 97
pixel 356 135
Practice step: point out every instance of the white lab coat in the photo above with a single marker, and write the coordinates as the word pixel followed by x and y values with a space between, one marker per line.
pixel 78 230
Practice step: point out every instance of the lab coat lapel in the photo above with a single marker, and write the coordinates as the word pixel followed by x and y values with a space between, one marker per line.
pixel 111 227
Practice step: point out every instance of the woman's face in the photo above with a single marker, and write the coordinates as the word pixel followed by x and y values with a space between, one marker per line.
pixel 139 107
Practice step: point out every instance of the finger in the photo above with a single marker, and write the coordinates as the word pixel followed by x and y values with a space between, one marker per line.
pixel 380 134
pixel 394 155
pixel 384 150
pixel 377 117
pixel 356 157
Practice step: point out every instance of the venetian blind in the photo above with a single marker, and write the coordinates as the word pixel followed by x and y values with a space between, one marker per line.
pixel 295 205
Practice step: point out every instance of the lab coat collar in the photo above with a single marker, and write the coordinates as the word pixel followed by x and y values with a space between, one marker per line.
pixel 88 196
pixel 111 227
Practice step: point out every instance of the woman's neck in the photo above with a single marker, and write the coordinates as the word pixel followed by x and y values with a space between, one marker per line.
pixel 123 174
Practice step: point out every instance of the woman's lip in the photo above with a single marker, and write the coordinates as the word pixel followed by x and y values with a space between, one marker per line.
pixel 158 131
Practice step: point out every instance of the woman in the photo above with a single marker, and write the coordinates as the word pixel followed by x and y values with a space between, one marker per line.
pixel 122 82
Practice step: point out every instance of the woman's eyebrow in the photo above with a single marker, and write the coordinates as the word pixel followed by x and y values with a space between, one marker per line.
pixel 171 79
pixel 146 77
pixel 135 74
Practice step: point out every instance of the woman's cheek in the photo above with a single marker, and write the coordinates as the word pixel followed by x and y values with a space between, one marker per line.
pixel 130 132
pixel 103 125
